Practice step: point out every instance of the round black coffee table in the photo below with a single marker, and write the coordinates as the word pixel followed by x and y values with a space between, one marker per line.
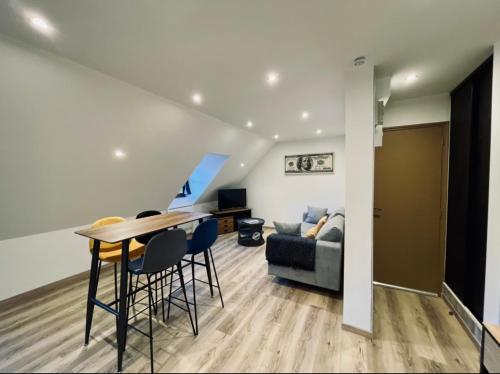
pixel 250 232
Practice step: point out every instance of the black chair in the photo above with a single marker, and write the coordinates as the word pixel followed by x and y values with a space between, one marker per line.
pixel 144 239
pixel 163 252
pixel 204 237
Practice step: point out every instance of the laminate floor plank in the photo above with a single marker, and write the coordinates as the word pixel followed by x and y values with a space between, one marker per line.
pixel 267 325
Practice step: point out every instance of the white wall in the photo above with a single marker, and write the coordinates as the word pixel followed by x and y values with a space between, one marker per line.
pixel 59 125
pixel 274 196
pixel 421 110
pixel 359 154
pixel 492 285
pixel 36 260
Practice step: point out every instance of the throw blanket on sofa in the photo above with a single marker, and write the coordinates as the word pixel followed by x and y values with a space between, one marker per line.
pixel 292 251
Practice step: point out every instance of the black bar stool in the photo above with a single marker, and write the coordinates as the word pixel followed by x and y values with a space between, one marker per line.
pixel 204 237
pixel 163 252
pixel 144 239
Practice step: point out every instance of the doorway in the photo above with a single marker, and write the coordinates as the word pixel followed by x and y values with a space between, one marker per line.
pixel 410 201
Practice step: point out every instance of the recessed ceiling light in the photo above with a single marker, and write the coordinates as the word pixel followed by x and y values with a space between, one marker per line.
pixel 305 115
pixel 318 132
pixel 272 78
pixel 242 165
pixel 249 124
pixel 41 24
pixel 412 77
pixel 197 98
pixel 119 153
pixel 276 136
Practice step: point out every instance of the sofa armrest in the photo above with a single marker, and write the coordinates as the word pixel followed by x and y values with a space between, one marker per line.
pixel 329 262
pixel 323 245
pixel 328 268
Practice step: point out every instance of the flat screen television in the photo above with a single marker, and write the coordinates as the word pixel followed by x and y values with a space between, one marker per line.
pixel 232 198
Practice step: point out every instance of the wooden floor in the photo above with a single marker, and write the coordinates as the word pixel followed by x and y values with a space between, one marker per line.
pixel 267 326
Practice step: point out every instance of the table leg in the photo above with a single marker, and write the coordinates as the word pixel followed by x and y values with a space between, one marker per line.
pixel 93 280
pixel 122 308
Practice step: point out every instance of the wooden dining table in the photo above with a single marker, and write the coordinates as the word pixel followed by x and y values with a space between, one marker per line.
pixel 124 232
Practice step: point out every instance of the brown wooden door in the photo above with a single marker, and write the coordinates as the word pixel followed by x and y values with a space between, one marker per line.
pixel 409 179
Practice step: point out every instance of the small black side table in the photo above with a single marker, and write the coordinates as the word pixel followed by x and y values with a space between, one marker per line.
pixel 250 232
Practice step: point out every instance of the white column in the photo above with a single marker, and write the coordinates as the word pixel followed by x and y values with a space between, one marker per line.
pixel 492 285
pixel 359 154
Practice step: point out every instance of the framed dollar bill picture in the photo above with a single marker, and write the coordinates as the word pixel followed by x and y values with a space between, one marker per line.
pixel 310 163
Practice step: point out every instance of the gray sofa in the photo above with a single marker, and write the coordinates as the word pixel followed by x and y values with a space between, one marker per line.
pixel 328 262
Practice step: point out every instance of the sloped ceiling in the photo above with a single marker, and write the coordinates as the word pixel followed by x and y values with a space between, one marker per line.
pixel 223 48
pixel 61 124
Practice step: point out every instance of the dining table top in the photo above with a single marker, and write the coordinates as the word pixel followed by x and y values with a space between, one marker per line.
pixel 130 229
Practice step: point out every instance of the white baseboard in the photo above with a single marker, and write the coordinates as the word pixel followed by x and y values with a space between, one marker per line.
pixel 425 293
pixel 464 315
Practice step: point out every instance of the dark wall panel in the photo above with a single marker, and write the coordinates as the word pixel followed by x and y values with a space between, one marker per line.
pixel 458 190
pixel 479 191
pixel 468 188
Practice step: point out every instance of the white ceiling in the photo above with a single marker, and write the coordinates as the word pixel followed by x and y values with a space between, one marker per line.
pixel 223 49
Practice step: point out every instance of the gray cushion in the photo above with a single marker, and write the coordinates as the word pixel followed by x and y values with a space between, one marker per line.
pixel 333 230
pixel 315 214
pixel 287 228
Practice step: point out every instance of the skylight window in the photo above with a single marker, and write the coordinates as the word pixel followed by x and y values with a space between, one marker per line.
pixel 201 178
pixel 184 191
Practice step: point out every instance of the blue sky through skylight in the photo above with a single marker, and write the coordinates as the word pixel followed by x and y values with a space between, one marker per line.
pixel 200 179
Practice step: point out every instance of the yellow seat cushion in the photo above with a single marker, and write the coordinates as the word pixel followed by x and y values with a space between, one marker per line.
pixel 136 250
pixel 112 252
pixel 313 231
pixel 106 247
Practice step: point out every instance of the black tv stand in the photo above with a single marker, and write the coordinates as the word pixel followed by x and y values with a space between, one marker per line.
pixel 228 218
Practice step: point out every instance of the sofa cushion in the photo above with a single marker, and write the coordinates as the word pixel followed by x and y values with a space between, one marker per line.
pixel 315 214
pixel 313 231
pixel 288 228
pixel 332 230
